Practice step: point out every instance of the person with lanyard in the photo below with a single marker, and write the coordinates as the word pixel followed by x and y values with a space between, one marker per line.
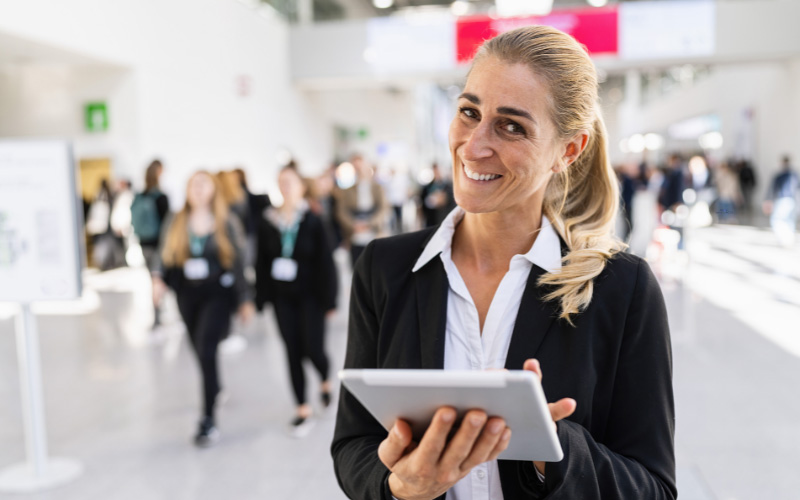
pixel 525 273
pixel 295 271
pixel 201 260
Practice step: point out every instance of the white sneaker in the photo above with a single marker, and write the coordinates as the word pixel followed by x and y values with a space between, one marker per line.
pixel 300 427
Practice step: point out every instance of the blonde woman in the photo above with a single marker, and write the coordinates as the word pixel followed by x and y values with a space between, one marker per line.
pixel 523 274
pixel 202 263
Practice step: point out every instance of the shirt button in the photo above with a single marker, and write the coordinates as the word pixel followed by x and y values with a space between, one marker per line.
pixel 480 474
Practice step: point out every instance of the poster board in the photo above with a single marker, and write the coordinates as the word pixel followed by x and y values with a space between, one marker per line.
pixel 40 224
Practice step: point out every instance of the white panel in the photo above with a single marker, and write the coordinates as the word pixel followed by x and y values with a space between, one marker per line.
pixel 39 246
pixel 652 30
pixel 408 45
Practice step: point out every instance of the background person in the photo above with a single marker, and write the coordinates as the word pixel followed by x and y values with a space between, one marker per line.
pixel 361 209
pixel 436 198
pixel 202 262
pixel 782 203
pixel 295 271
pixel 149 210
pixel 525 267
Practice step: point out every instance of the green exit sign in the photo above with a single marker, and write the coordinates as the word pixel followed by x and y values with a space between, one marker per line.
pixel 96 117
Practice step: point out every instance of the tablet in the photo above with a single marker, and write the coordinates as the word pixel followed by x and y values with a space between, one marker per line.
pixel 415 395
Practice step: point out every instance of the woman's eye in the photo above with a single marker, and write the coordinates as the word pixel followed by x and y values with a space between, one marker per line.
pixel 469 112
pixel 513 128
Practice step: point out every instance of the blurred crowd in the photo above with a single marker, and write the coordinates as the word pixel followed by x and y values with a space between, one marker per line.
pixel 692 191
pixel 229 252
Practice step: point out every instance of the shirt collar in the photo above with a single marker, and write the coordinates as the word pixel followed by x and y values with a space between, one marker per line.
pixel 545 252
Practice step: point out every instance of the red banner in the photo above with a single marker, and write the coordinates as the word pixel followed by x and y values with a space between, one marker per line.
pixel 594 28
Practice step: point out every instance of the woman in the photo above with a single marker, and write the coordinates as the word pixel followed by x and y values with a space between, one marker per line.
pixel 295 271
pixel 202 263
pixel 148 212
pixel 525 267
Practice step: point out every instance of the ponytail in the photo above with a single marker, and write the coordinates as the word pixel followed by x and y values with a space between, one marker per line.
pixel 582 204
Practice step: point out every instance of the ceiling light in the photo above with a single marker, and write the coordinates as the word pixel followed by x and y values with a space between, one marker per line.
pixel 382 4
pixel 597 3
pixel 511 8
pixel 459 8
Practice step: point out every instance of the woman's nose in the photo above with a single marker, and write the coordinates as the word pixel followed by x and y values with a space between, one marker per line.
pixel 478 144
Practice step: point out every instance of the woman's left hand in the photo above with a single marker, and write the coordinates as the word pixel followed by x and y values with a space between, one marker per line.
pixel 246 312
pixel 561 409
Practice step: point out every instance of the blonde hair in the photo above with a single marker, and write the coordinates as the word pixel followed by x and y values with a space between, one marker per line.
pixel 582 199
pixel 176 245
pixel 231 187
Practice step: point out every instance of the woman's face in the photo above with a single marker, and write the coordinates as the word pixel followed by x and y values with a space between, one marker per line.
pixel 503 142
pixel 201 191
pixel 291 186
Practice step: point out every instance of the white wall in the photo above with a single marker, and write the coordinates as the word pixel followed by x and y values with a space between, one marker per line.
pixel 388 115
pixel 174 94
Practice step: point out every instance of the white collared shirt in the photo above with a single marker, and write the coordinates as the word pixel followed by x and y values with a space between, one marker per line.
pixel 465 347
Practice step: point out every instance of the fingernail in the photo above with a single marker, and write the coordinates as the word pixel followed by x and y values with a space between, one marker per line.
pixel 447 417
pixel 496 427
pixel 506 435
pixel 396 431
pixel 475 420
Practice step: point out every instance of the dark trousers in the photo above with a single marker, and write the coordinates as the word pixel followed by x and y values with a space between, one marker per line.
pixel 207 314
pixel 302 325
pixel 150 253
pixel 398 218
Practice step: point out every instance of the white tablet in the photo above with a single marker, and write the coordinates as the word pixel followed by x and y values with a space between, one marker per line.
pixel 415 395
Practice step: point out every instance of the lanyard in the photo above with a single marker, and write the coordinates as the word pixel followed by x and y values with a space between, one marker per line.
pixel 289 238
pixel 197 244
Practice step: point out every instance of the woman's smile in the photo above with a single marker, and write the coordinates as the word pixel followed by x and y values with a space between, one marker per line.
pixel 478 176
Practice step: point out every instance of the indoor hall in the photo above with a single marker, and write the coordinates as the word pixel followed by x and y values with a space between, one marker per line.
pixel 287 107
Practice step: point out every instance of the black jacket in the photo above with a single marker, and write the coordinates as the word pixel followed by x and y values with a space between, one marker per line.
pixel 616 362
pixel 316 271
pixel 174 277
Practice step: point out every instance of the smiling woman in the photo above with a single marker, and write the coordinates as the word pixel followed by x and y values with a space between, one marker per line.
pixel 524 274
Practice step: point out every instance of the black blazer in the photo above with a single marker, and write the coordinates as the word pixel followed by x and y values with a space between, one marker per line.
pixel 616 362
pixel 316 271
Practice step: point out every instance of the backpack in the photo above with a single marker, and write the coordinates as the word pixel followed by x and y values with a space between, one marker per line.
pixel 144 216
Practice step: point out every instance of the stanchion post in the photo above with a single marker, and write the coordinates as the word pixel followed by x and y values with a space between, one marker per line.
pixel 30 376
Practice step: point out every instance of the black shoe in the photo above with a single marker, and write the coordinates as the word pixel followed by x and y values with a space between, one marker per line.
pixel 326 399
pixel 301 426
pixel 207 433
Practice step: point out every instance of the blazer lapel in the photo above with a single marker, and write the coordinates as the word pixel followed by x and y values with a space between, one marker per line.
pixel 432 287
pixel 535 319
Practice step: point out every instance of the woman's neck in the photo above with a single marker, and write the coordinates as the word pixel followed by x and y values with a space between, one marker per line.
pixel 288 208
pixel 201 220
pixel 488 241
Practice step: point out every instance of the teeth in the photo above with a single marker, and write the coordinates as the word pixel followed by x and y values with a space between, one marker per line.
pixel 479 177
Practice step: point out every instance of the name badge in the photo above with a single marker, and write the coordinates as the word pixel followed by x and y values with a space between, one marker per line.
pixel 284 269
pixel 195 269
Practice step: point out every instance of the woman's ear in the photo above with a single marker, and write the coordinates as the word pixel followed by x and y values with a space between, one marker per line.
pixel 573 149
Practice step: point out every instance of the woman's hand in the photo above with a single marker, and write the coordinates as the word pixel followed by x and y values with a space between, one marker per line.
pixel 430 468
pixel 562 408
pixel 246 312
pixel 159 289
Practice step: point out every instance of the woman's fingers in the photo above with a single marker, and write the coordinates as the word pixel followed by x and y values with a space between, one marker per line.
pixel 462 444
pixel 562 408
pixel 485 444
pixel 392 448
pixel 433 442
pixel 501 445
pixel 532 365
